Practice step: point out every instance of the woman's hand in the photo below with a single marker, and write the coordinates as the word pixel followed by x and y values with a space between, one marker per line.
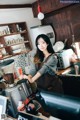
pixel 23 77
pixel 29 77
pixel 20 77
pixel 21 107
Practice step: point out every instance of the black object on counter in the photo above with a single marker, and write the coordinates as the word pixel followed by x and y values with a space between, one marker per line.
pixel 1 78
pixel 6 62
pixel 59 105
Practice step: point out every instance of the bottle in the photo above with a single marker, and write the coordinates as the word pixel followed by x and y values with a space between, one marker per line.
pixel 17 26
pixel 19 71
pixel 76 67
pixel 73 38
pixel 76 48
pixel 65 43
pixel 23 104
pixel 1 56
pixel 20 106
pixel 73 43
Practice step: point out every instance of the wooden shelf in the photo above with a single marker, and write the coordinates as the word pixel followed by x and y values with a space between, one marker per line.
pixel 8 56
pixel 22 32
pixel 13 32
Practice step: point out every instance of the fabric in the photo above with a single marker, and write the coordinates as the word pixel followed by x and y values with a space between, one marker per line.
pixel 49 80
pixel 50 83
pixel 30 67
pixel 44 67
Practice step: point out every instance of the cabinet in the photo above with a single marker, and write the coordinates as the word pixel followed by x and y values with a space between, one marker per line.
pixel 14 39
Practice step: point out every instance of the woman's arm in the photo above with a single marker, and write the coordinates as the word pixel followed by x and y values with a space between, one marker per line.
pixel 32 79
pixel 50 63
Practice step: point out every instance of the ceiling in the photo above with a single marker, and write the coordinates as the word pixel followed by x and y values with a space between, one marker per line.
pixel 11 2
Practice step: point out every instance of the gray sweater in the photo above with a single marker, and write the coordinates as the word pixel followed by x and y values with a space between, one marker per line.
pixel 50 66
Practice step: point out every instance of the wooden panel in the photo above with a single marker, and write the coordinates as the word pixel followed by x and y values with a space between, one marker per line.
pixel 60 24
pixel 65 18
pixel 75 18
pixel 65 22
pixel 15 6
pixel 47 6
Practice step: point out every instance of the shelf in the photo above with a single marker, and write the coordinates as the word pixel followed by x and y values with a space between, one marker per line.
pixel 15 44
pixel 18 43
pixel 8 56
pixel 12 35
pixel 22 32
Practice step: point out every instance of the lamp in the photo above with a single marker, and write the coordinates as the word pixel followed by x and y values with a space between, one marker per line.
pixel 40 14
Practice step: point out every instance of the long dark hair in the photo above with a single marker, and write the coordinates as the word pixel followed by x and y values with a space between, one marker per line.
pixel 39 54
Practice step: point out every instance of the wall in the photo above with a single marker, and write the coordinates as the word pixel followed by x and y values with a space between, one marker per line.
pixel 65 19
pixel 66 22
pixel 18 15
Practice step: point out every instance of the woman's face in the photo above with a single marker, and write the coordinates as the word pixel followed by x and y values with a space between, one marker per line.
pixel 42 45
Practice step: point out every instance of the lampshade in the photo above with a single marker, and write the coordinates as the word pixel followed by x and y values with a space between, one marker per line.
pixel 40 14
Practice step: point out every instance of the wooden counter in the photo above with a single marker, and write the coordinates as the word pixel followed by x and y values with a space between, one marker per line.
pixel 59 72
pixel 40 116
pixel 63 71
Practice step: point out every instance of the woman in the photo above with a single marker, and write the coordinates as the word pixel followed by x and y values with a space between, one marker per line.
pixel 46 64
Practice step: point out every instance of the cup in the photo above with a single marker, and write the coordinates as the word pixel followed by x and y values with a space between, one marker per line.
pixel 9 77
pixel 19 71
pixel 76 67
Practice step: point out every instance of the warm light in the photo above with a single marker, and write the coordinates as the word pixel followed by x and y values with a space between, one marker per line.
pixel 40 14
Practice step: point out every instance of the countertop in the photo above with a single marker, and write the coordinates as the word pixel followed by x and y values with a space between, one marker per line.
pixel 60 72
